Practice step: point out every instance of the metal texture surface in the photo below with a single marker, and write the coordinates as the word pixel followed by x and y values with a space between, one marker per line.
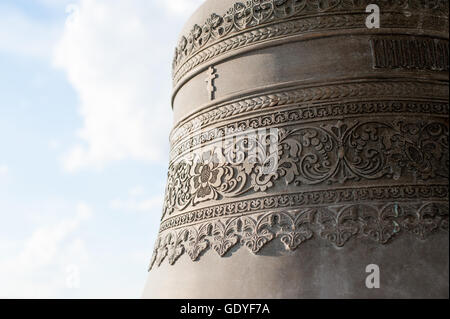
pixel 350 128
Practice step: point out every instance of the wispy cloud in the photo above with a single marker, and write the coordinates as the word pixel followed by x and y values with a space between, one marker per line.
pixel 36 267
pixel 138 201
pixel 24 36
pixel 181 7
pixel 56 3
pixel 4 169
pixel 117 55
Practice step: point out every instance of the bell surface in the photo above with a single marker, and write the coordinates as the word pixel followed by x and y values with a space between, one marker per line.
pixel 309 154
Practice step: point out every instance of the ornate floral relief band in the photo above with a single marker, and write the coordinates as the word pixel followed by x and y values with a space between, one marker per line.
pixel 277 140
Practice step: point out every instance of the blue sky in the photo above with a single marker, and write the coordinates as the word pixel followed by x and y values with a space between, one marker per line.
pixel 84 122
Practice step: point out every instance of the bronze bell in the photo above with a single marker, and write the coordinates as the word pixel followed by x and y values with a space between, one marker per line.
pixel 309 154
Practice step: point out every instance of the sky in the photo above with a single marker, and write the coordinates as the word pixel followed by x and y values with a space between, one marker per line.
pixel 84 122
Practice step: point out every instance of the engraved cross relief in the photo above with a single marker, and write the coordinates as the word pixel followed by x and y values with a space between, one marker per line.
pixel 211 88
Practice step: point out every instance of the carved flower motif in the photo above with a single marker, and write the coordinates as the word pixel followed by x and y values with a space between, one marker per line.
pixel 183 44
pixel 206 178
pixel 196 32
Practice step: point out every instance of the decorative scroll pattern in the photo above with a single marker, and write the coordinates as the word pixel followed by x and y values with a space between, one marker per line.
pixel 306 114
pixel 341 170
pixel 309 198
pixel 254 13
pixel 330 154
pixel 336 224
pixel 323 94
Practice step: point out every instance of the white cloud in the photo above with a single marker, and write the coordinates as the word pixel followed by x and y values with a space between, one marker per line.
pixel 54 144
pixel 24 36
pixel 182 7
pixel 117 55
pixel 137 201
pixel 36 267
pixel 137 191
pixel 3 170
pixel 56 3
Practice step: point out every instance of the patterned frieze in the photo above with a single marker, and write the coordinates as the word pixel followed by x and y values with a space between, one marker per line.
pixel 257 21
pixel 294 122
